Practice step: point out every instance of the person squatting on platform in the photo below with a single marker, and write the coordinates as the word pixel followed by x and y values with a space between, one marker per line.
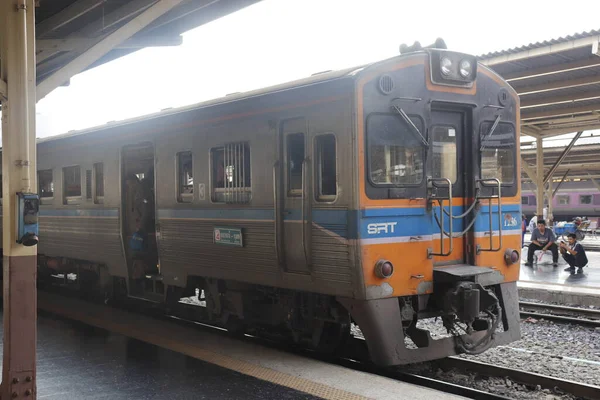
pixel 542 239
pixel 574 254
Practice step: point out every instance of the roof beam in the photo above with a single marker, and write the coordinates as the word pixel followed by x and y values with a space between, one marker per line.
pixel 562 157
pixel 72 12
pixel 594 181
pixel 530 131
pixel 560 111
pixel 545 50
pixel 101 48
pixel 529 171
pixel 565 121
pixel 545 101
pixel 548 133
pixel 593 61
pixel 557 85
pixel 121 14
pixel 133 43
pixel 560 184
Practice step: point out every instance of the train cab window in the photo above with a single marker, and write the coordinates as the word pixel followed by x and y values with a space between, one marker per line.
pixel 444 161
pixel 185 186
pixel 72 184
pixel 585 199
pixel 231 173
pixel 498 152
pixel 395 154
pixel 326 167
pixel 564 199
pixel 295 160
pixel 99 183
pixel 46 186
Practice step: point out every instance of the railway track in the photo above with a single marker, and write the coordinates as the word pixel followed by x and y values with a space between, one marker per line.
pixel 578 389
pixel 355 359
pixel 579 316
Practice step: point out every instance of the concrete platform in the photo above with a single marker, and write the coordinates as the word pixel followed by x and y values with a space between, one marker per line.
pixel 547 283
pixel 159 359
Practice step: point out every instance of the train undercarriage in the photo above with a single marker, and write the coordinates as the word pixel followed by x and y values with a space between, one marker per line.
pixel 461 316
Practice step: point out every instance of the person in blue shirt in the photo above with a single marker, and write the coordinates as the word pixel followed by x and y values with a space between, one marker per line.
pixel 542 239
pixel 574 254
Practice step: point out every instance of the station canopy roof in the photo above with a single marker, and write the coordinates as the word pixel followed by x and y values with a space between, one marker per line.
pixel 558 82
pixel 65 29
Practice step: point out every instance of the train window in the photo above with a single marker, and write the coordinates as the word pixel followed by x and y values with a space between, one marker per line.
pixel 88 184
pixel 444 152
pixel 295 160
pixel 395 154
pixel 231 174
pixel 498 152
pixel 46 186
pixel 532 201
pixel 99 183
pixel 564 199
pixel 326 167
pixel 72 184
pixel 525 200
pixel 585 199
pixel 185 173
pixel 596 200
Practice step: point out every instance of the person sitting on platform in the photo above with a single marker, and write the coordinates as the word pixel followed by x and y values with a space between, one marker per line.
pixel 574 254
pixel 542 239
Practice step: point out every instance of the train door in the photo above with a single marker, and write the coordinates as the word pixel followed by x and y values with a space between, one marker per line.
pixel 296 205
pixel 449 153
pixel 139 219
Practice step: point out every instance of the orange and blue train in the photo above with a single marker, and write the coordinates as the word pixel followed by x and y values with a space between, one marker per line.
pixel 383 199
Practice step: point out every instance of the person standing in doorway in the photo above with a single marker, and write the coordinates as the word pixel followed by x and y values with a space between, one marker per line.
pixel 543 239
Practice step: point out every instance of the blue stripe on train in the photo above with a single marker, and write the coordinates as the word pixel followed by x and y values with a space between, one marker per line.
pixel 371 223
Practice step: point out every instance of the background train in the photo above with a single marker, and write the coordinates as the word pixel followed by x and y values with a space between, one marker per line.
pixel 573 199
pixel 385 195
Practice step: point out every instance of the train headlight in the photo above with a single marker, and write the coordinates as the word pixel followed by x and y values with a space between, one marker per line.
pixel 465 68
pixel 511 256
pixel 445 66
pixel 452 69
pixel 384 269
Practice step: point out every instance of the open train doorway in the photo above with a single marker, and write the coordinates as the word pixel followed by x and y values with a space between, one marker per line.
pixel 139 219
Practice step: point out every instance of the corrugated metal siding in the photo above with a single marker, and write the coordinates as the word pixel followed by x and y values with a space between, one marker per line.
pixel 331 254
pixel 84 238
pixel 188 244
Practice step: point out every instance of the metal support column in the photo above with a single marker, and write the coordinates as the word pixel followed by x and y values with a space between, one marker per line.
pixel 540 178
pixel 17 49
pixel 549 196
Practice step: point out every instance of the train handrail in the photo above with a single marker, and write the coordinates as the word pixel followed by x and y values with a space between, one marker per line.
pixel 433 182
pixel 305 213
pixel 277 210
pixel 498 185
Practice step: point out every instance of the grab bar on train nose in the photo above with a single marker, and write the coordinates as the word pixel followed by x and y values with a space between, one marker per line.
pixel 498 185
pixel 434 182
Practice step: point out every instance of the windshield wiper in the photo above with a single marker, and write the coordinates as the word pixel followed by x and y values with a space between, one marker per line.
pixel 490 133
pixel 413 127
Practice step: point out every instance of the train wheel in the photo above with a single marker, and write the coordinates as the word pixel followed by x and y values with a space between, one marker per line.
pixel 329 337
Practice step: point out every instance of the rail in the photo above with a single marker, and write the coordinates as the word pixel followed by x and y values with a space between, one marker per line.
pixel 490 199
pixel 433 182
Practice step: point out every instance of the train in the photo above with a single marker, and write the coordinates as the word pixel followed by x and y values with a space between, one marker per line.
pixel 573 199
pixel 384 197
